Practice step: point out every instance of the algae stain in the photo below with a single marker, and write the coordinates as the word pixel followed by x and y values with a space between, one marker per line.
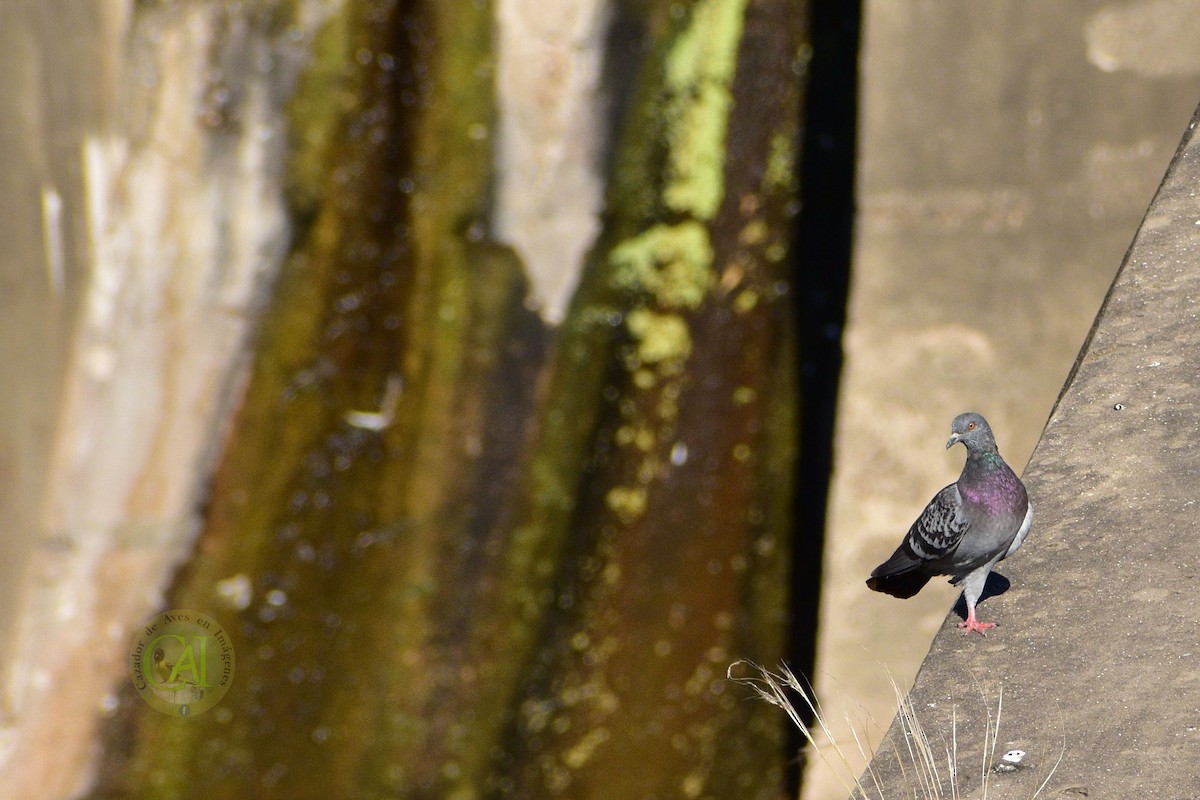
pixel 585 748
pixel 744 395
pixel 659 337
pixel 671 263
pixel 699 73
pixel 312 119
pixel 627 502
pixel 781 164
pixel 745 301
pixel 692 784
pixel 754 232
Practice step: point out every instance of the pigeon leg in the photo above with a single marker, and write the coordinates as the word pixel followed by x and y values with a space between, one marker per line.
pixel 973 624
pixel 972 589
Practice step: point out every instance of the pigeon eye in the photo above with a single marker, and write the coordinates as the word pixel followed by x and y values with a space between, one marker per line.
pixel 970 426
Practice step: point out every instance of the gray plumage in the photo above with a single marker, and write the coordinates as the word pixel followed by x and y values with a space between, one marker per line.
pixel 967 527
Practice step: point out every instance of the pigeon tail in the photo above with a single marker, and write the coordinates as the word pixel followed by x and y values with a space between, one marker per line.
pixel 904 585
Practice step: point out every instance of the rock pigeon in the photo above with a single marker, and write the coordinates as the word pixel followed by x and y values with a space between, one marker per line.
pixel 966 528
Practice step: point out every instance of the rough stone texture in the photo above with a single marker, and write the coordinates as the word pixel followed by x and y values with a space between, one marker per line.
pixel 1097 652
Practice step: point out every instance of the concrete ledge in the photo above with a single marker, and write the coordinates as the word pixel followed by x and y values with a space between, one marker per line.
pixel 1097 653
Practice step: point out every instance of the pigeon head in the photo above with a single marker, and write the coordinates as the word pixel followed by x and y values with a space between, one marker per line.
pixel 973 431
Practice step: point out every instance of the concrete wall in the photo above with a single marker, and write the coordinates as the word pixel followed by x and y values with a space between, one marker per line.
pixel 1096 653
pixel 1008 152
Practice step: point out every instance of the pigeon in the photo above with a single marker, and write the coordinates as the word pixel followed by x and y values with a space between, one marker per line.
pixel 967 527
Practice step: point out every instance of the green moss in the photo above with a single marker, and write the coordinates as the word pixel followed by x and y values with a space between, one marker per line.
pixel 744 395
pixel 699 70
pixel 745 301
pixel 671 263
pixel 781 164
pixel 627 502
pixel 659 337
pixel 754 232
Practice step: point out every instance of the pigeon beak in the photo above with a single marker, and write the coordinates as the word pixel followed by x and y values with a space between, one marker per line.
pixel 954 439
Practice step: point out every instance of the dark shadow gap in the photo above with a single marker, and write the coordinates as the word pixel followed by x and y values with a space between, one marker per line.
pixel 824 237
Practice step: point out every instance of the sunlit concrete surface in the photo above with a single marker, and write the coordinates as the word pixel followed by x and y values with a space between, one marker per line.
pixel 1004 169
pixel 1096 659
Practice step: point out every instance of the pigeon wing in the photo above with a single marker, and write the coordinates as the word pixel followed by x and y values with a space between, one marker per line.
pixel 939 530
pixel 930 541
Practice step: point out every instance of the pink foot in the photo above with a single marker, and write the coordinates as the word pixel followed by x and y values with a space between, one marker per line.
pixel 972 624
